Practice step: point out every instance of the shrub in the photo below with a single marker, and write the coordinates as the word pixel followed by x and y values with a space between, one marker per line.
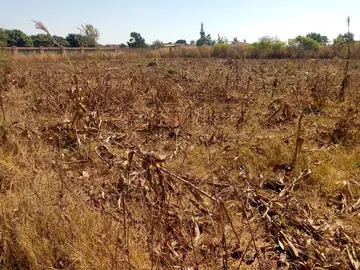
pixel 18 38
pixel 222 50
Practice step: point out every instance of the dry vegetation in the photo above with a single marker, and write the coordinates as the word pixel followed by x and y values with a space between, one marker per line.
pixel 135 163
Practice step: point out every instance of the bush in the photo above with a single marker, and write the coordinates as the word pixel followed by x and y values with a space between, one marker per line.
pixel 18 38
pixel 5 57
pixel 205 51
pixel 222 50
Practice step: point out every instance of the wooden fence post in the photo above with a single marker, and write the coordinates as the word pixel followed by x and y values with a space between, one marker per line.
pixel 41 49
pixel 14 51
pixel 82 50
pixel 63 52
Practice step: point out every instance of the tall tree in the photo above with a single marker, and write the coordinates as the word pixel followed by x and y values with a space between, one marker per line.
pixel 77 40
pixel 344 38
pixel 91 33
pixel 181 41
pixel 42 40
pixel 136 41
pixel 61 41
pixel 235 40
pixel 202 32
pixel 18 38
pixel 304 43
pixel 204 39
pixel 318 37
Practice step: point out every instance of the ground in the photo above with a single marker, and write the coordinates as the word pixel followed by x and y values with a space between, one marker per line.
pixel 119 162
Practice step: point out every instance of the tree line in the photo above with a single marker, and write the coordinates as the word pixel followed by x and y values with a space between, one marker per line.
pixel 265 47
pixel 89 36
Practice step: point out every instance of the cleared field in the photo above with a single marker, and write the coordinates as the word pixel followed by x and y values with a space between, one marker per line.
pixel 179 164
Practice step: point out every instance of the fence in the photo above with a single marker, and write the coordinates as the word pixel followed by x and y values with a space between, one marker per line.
pixel 60 50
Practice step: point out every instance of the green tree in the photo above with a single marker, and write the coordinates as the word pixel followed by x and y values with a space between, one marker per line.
pixel 267 47
pixel 181 41
pixel 318 37
pixel 122 45
pixel 61 41
pixel 235 40
pixel 18 38
pixel 42 40
pixel 192 42
pixel 203 38
pixel 77 40
pixel 344 38
pixel 3 38
pixel 210 41
pixel 136 41
pixel 305 43
pixel 91 33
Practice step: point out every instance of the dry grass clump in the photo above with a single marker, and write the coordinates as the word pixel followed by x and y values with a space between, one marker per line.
pixel 122 162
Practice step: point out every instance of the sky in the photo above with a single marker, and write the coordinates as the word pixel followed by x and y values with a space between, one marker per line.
pixel 169 21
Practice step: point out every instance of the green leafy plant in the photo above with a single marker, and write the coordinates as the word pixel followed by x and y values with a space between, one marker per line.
pixel 136 41
pixel 42 40
pixel 77 40
pixel 18 38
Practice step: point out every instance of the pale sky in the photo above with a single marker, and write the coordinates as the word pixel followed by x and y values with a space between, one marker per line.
pixel 170 20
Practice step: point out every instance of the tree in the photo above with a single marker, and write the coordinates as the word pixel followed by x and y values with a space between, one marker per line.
pixel 317 37
pixel 204 39
pixel 18 38
pixel 344 38
pixel 202 32
pixel 192 42
pixel 304 43
pixel 267 47
pixel 3 38
pixel 77 40
pixel 157 44
pixel 235 40
pixel 136 41
pixel 61 41
pixel 209 40
pixel 122 45
pixel 181 41
pixel 42 40
pixel 222 40
pixel 91 33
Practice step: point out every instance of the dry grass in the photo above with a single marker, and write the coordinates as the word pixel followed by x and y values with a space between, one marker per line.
pixel 82 186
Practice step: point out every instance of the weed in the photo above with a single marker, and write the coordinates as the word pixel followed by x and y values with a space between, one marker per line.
pixel 201 163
